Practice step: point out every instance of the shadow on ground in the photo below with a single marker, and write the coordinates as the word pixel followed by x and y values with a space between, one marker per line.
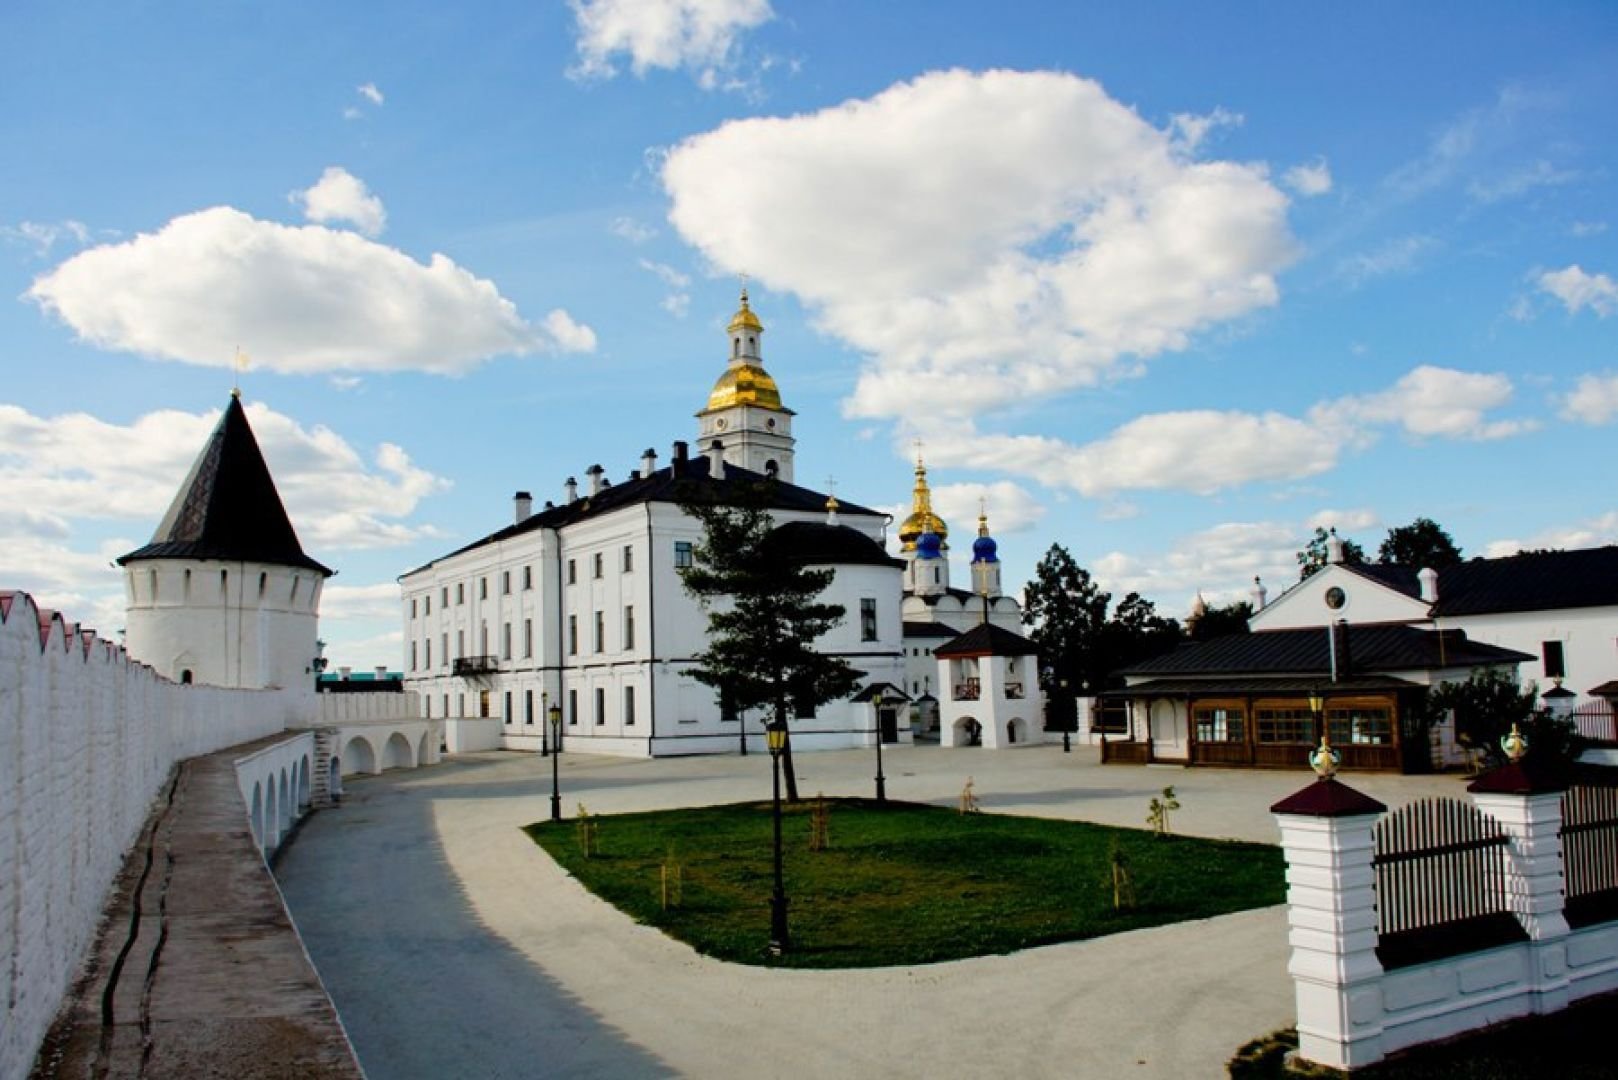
pixel 423 988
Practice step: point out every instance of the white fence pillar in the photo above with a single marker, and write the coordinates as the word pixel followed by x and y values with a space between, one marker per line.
pixel 1326 831
pixel 1529 807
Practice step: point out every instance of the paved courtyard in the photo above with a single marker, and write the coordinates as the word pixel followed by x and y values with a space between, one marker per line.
pixel 453 947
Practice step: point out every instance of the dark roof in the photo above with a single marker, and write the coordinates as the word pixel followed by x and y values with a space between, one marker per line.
pixel 228 507
pixel 1541 581
pixel 681 481
pixel 928 629
pixel 1606 689
pixel 1256 684
pixel 1538 582
pixel 1381 647
pixel 816 543
pixel 987 639
pixel 891 694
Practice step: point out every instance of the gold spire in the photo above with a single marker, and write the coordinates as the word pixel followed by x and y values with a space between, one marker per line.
pixel 745 382
pixel 921 519
pixel 983 517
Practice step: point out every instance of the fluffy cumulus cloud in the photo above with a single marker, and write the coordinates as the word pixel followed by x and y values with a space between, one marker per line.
pixel 301 299
pixel 1593 400
pixel 1219 562
pixel 340 196
pixel 1593 532
pixel 1011 509
pixel 83 467
pixel 380 601
pixel 1345 520
pixel 1205 451
pixel 1428 402
pixel 1309 180
pixel 985 236
pixel 1578 290
pixel 697 35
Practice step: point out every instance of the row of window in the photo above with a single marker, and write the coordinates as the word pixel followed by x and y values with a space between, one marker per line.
pixel 598 565
pixel 598 636
pixel 529 716
pixel 1348 725
pixel 423 659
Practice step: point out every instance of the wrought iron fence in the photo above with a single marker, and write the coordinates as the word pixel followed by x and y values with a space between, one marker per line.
pixel 1590 853
pixel 1440 874
pixel 1596 721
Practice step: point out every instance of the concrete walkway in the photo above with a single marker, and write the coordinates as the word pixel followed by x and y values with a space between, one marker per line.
pixel 452 946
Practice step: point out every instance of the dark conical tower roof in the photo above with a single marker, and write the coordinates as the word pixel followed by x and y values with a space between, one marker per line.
pixel 228 507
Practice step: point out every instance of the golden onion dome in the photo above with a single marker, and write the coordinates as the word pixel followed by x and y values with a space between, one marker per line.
pixel 921 519
pixel 745 384
pixel 744 319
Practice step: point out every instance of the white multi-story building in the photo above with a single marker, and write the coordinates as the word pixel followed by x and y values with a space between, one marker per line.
pixel 580 604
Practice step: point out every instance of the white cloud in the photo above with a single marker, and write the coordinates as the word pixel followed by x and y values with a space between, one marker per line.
pixel 1588 228
pixel 43 236
pixel 698 35
pixel 1011 509
pixel 370 93
pixel 1309 179
pixel 1220 562
pixel 385 649
pixel 86 468
pixel 340 196
pixel 1200 451
pixel 352 112
pixel 1345 520
pixel 1397 256
pixel 1520 181
pixel 1594 400
pixel 1428 401
pixel 628 228
pixel 1578 290
pixel 1593 532
pixel 380 601
pixel 302 299
pixel 1191 130
pixel 984 237
pixel 678 300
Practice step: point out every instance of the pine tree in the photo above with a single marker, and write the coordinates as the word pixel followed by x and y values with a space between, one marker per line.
pixel 764 616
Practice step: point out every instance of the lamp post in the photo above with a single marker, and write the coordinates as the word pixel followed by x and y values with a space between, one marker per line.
pixel 555 717
pixel 1317 704
pixel 878 700
pixel 544 725
pixel 776 733
pixel 1070 716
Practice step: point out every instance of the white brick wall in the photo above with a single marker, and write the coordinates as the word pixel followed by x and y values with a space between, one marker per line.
pixel 87 738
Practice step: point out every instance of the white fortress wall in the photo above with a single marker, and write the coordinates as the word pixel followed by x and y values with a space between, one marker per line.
pixel 87 739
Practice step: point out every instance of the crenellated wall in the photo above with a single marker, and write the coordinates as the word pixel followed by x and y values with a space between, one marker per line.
pixel 87 739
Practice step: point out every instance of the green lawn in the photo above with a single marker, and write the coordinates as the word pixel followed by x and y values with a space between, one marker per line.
pixel 904 884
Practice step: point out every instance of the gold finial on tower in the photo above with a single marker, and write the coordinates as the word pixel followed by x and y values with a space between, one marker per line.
pixel 240 364
pixel 921 519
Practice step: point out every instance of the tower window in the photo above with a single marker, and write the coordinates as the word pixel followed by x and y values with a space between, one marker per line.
pixel 868 619
pixel 185 677
pixel 682 554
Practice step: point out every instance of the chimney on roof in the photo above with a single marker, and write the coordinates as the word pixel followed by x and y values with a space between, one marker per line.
pixel 549 505
pixel 681 455
pixel 1334 548
pixel 648 461
pixel 524 504
pixel 570 490
pixel 1259 594
pixel 344 672
pixel 716 460
pixel 381 672
pixel 1429 584
pixel 595 473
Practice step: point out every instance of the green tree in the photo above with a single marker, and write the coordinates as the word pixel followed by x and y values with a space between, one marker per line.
pixel 1423 544
pixel 1220 621
pixel 1489 702
pixel 764 616
pixel 1067 613
pixel 1314 556
pixel 1135 632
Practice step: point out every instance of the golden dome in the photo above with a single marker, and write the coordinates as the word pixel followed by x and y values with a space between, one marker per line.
pixel 921 519
pixel 745 384
pixel 744 319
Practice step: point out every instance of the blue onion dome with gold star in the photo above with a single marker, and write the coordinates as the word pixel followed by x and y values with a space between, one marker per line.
pixel 984 549
pixel 922 520
pixel 929 545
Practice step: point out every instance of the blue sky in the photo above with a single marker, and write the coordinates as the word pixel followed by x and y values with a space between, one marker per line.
pixel 1167 284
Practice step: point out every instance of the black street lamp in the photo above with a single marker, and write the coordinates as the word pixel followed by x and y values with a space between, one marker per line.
pixel 776 733
pixel 1070 718
pixel 879 700
pixel 555 718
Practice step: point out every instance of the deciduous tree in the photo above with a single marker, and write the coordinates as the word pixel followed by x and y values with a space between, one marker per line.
pixel 1315 555
pixel 1423 544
